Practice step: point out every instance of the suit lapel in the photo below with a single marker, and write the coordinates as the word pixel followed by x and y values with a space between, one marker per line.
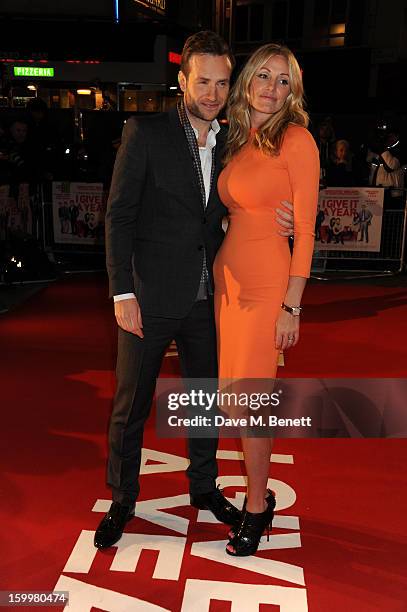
pixel 180 142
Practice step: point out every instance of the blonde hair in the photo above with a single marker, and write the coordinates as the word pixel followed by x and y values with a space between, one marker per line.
pixel 346 144
pixel 348 155
pixel 270 135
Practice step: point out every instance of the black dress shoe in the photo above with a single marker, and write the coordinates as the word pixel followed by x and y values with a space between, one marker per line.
pixel 111 527
pixel 220 507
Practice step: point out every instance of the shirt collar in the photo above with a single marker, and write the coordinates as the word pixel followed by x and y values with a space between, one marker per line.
pixel 213 130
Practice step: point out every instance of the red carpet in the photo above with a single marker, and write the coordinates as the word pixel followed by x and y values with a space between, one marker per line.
pixel 339 540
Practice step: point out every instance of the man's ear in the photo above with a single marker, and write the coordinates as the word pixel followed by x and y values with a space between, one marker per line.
pixel 182 81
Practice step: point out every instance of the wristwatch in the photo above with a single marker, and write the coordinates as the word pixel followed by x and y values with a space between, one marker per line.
pixel 294 310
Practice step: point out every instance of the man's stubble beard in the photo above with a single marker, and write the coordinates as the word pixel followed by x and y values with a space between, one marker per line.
pixel 194 110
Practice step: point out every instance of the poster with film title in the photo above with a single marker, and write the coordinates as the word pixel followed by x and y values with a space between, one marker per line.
pixel 349 219
pixel 15 210
pixel 78 213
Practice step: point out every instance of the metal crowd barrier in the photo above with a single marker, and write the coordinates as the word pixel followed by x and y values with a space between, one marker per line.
pixel 23 259
pixel 390 260
pixel 51 242
pixel 326 264
pixel 31 251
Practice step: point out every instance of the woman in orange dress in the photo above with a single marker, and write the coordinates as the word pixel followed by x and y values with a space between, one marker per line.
pixel 270 156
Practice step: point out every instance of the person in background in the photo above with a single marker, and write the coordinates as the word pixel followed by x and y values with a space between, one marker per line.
pixel 387 170
pixel 355 226
pixel 338 231
pixel 73 217
pixel 21 166
pixel 318 223
pixel 43 140
pixel 63 214
pixel 107 103
pixel 4 165
pixel 339 172
pixel 325 139
pixel 365 220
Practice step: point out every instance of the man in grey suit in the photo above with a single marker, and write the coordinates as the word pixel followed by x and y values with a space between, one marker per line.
pixel 163 229
pixel 365 219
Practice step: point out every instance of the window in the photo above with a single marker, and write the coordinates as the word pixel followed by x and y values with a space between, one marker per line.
pixel 330 22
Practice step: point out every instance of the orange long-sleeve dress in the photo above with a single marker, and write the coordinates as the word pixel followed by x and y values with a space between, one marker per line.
pixel 253 265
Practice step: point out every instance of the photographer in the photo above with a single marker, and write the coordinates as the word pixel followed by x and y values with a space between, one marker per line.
pixel 386 170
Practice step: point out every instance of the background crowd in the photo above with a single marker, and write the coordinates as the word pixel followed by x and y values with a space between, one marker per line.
pixel 376 162
pixel 37 145
pixel 40 145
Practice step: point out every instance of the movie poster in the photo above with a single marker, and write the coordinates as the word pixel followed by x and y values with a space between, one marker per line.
pixel 349 219
pixel 78 213
pixel 15 209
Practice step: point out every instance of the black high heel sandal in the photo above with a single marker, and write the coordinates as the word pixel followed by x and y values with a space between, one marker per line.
pixel 250 530
pixel 270 501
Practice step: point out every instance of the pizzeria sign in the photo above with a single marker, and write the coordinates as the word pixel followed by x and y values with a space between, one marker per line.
pixel 33 71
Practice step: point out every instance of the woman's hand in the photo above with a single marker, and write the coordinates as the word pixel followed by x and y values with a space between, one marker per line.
pixel 287 330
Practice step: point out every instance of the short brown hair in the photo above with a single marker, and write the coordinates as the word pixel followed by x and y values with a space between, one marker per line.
pixel 204 43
